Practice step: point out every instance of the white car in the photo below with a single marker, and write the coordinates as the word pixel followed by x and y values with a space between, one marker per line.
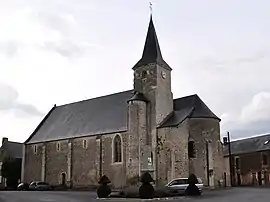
pixel 178 186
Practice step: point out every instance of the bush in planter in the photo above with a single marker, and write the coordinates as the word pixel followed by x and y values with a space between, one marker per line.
pixel 192 189
pixel 146 190
pixel 104 190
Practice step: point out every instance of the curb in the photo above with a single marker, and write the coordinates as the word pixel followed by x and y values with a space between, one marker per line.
pixel 138 199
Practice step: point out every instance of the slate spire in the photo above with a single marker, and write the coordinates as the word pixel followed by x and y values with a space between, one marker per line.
pixel 151 51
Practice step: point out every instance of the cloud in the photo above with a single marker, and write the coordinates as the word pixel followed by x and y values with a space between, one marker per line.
pixel 252 119
pixel 9 48
pixel 65 48
pixel 9 102
pixel 257 110
pixel 63 22
pixel 68 48
pixel 8 95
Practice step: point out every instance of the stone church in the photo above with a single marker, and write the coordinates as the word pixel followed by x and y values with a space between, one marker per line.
pixel 127 133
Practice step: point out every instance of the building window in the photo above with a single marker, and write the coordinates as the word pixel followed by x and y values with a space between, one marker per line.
pixel 150 159
pixel 58 146
pixel 237 163
pixel 85 144
pixel 117 149
pixel 35 149
pixel 144 73
pixel 264 159
pixel 191 149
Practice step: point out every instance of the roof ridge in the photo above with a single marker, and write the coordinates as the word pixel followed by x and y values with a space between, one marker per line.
pixel 102 96
pixel 14 142
pixel 250 138
pixel 186 96
pixel 40 124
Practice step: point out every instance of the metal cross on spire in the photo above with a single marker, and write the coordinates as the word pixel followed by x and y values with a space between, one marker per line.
pixel 150 6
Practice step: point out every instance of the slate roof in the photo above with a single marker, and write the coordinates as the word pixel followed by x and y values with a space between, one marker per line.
pixel 151 52
pixel 188 107
pixel 107 114
pixel 14 149
pixel 249 145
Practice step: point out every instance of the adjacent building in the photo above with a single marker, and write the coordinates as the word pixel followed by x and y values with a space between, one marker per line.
pixel 127 133
pixel 250 161
pixel 11 150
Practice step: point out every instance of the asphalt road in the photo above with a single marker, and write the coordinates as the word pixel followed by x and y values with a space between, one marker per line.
pixel 47 196
pixel 231 195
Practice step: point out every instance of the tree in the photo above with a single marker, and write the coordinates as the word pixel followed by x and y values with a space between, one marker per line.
pixel 11 170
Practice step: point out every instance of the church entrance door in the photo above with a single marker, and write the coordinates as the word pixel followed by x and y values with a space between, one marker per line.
pixel 63 178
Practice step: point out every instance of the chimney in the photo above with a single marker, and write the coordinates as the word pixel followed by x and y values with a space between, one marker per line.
pixel 225 140
pixel 4 140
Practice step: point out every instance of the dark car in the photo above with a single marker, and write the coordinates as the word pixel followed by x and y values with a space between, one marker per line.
pixel 39 186
pixel 23 186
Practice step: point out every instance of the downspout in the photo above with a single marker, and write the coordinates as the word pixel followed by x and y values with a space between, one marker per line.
pixel 207 164
pixel 100 157
pixel 23 163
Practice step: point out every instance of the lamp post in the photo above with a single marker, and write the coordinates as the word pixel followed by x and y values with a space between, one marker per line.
pixel 227 141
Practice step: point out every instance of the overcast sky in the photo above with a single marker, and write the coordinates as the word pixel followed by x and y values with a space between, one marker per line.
pixel 61 51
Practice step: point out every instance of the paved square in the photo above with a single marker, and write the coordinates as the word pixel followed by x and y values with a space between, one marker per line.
pixel 230 195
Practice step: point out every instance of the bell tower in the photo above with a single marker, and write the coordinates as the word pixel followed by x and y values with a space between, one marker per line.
pixel 150 106
pixel 152 78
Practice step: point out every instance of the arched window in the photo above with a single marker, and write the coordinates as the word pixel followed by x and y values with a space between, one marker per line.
pixel 58 146
pixel 35 149
pixel 191 149
pixel 85 144
pixel 117 150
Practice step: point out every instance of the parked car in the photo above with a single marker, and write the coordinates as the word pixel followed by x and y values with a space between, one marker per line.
pixel 23 186
pixel 39 186
pixel 179 185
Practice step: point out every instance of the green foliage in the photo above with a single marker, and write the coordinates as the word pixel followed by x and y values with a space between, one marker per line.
pixel 192 189
pixel 104 180
pixel 11 170
pixel 146 191
pixel 146 178
pixel 103 191
pixel 192 179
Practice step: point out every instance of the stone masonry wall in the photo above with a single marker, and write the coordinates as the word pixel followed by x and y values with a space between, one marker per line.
pixel 202 130
pixel 148 80
pixel 85 161
pixel 116 172
pixel 85 165
pixel 32 169
pixel 133 147
pixel 56 161
pixel 172 153
pixel 227 171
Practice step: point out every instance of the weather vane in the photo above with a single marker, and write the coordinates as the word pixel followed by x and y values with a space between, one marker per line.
pixel 150 6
